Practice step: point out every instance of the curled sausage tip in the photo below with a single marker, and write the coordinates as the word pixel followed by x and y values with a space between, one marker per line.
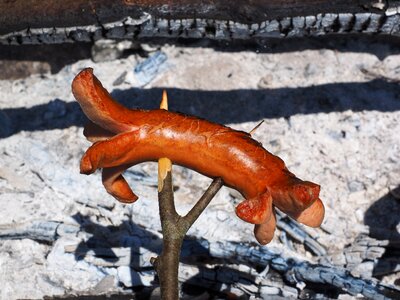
pixel 255 210
pixel 313 215
pixel 264 233
pixel 97 103
pixel 86 166
pixel 116 184
pixel 306 192
pixel 123 137
pixel 293 195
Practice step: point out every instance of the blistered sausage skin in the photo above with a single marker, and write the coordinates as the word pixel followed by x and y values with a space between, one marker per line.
pixel 134 136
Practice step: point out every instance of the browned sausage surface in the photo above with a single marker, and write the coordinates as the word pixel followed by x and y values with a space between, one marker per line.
pixel 127 137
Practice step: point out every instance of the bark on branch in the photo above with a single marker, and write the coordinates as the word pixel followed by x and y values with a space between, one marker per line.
pixel 174 228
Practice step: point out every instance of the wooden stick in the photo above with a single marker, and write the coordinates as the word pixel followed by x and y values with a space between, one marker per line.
pixel 174 227
pixel 255 128
pixel 164 164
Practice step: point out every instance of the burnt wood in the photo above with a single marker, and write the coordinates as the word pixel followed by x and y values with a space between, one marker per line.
pixel 17 15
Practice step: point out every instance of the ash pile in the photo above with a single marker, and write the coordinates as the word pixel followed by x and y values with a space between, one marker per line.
pixel 331 113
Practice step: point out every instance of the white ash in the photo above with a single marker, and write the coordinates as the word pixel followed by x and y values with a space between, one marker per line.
pixel 332 124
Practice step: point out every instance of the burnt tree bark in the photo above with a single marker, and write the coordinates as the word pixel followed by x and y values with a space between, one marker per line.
pixel 37 22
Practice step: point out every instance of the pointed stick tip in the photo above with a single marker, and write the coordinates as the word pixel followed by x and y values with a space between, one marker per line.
pixel 255 128
pixel 164 100
pixel 164 164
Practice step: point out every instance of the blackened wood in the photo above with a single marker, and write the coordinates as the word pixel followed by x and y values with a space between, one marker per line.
pixel 55 22
pixel 21 14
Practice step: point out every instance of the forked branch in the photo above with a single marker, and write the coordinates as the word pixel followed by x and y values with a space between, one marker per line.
pixel 174 227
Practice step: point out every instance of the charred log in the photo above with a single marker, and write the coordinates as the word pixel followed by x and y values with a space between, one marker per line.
pixel 32 22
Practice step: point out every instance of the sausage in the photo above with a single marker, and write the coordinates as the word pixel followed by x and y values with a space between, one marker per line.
pixel 126 137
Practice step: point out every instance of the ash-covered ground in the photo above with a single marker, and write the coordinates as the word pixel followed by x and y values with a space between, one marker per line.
pixel 331 113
